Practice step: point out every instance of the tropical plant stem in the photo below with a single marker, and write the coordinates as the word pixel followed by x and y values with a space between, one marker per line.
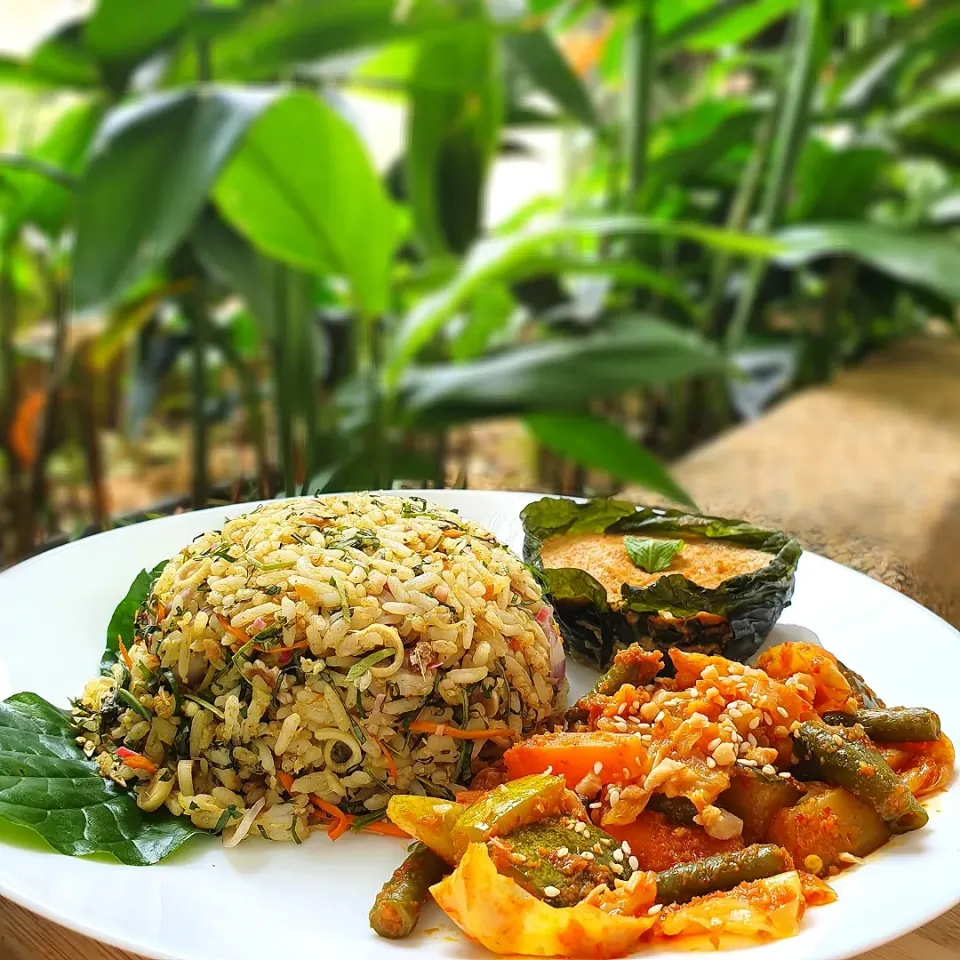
pixel 639 59
pixel 743 203
pixel 51 413
pixel 196 311
pixel 8 393
pixel 791 129
pixel 32 165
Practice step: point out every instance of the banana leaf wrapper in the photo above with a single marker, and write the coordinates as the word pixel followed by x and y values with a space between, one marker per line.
pixel 731 619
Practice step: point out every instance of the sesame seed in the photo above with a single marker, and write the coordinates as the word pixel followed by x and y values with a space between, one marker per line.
pixel 597 767
pixel 618 855
pixel 711 763
pixel 767 719
pixel 637 721
pixel 562 851
pixel 647 737
pixel 635 705
pixel 751 739
pixel 634 863
pixel 586 832
pixel 593 806
pixel 551 892
pixel 587 855
pixel 614 797
pixel 655 909
pixel 735 713
pixel 713 744
pixel 626 774
pixel 786 774
pixel 620 724
pixel 625 846
pixel 747 763
pixel 768 769
pixel 849 858
pixel 754 723
pixel 782 711
pixel 617 868
pixel 659 717
pixel 622 709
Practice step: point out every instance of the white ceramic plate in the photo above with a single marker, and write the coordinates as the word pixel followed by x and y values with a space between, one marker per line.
pixel 264 900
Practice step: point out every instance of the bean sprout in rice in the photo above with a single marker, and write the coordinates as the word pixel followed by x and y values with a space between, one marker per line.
pixel 282 659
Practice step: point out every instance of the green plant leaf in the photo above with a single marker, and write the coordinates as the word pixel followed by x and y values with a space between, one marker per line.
pixel 652 555
pixel 537 57
pixel 932 127
pixel 151 168
pixel 452 138
pixel 928 260
pixel 844 192
pixel 329 215
pixel 274 37
pixel 364 664
pixel 118 30
pixel 40 200
pixel 602 445
pixel 49 786
pixel 121 622
pixel 560 373
pixel 232 260
pixel 739 25
pixel 62 60
pixel 511 257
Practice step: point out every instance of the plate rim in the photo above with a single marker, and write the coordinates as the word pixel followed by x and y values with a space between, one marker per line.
pixel 147 949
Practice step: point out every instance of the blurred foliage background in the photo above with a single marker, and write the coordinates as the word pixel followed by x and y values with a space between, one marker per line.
pixel 196 245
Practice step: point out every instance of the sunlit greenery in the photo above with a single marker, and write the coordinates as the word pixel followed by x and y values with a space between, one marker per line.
pixel 757 193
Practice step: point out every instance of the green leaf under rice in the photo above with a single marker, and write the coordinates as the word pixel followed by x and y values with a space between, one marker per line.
pixel 121 623
pixel 47 785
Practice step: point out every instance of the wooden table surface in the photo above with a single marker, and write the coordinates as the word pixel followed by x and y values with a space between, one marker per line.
pixel 24 936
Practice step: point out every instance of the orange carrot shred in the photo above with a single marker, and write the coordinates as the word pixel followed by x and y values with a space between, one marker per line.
pixel 285 779
pixel 341 823
pixel 388 756
pixel 125 653
pixel 302 645
pixel 231 629
pixel 445 730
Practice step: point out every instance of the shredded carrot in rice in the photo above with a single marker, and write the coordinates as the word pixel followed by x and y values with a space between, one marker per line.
pixel 161 612
pixel 231 629
pixel 388 756
pixel 341 823
pixel 125 653
pixel 286 780
pixel 280 648
pixel 443 730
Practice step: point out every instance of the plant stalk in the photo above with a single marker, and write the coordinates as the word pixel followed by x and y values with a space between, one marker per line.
pixel 39 492
pixel 639 59
pixel 791 130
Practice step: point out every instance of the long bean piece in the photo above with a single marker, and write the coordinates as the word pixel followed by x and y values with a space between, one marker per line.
pixel 859 768
pixel 396 910
pixel 722 871
pixel 898 725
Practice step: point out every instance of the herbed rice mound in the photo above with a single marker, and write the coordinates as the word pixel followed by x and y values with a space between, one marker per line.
pixel 324 653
